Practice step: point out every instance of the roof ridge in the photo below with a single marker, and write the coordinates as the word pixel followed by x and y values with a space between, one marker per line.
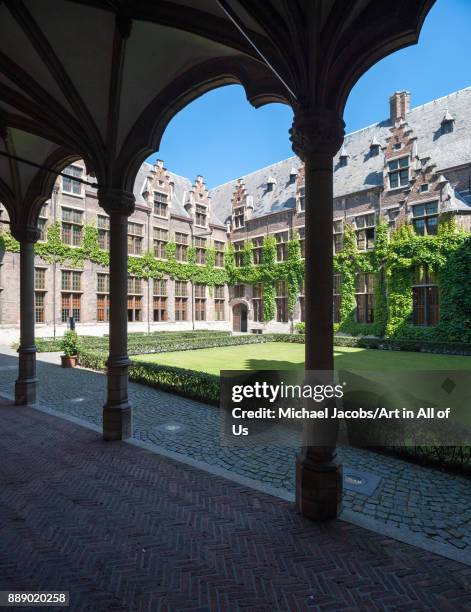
pixel 282 161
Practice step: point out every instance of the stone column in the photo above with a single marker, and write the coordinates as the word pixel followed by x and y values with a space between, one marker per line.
pixel 26 384
pixel 316 136
pixel 117 412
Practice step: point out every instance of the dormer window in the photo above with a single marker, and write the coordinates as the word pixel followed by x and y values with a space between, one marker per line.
pixel 343 157
pixel 293 174
pixel 397 146
pixel 201 215
pixel 160 204
pixel 374 147
pixel 271 182
pixel 447 123
pixel 398 170
pixel 69 183
pixel 238 214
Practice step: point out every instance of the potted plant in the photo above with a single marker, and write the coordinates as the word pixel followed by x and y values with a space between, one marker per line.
pixel 69 345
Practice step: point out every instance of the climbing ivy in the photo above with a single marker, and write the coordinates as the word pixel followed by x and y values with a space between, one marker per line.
pixel 392 261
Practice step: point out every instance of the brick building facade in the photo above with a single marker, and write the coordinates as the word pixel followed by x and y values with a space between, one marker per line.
pixel 413 167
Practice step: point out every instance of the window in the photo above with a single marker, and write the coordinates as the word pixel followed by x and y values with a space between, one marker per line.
pixel 39 307
pixel 200 302
pixel 219 255
pixel 424 188
pixel 302 241
pixel 338 235
pixel 102 298
pixel 42 222
pixel 281 300
pixel 343 161
pixel 425 298
pixel 181 246
pixel 337 283
pixel 257 301
pixel 160 242
pixel 398 170
pixel 160 204
pixel 134 298
pixel 39 295
pixel 302 303
pixel 219 300
pixel 135 285
pixel 239 253
pixel 69 184
pixel 40 279
pixel 71 280
pixel 393 213
pixel 72 226
pixel 425 218
pixel 281 246
pixel 201 214
pixel 257 250
pixel 365 230
pixel 181 301
pixel 102 307
pixel 365 297
pixel 302 199
pixel 135 233
pixel 102 283
pixel 70 306
pixel 160 299
pixel 103 226
pixel 238 216
pixel 239 291
pixel 447 127
pixel 200 245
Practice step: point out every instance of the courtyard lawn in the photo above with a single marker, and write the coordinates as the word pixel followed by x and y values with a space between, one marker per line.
pixel 290 356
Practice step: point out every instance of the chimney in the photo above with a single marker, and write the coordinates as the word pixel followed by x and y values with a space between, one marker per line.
pixel 399 105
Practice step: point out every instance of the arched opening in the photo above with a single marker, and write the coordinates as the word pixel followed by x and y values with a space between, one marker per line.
pixel 240 315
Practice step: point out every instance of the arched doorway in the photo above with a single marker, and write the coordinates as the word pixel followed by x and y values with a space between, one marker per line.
pixel 239 317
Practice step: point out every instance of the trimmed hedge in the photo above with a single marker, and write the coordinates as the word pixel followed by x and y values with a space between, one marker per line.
pixel 189 383
pixel 422 346
pixel 136 341
pixel 184 341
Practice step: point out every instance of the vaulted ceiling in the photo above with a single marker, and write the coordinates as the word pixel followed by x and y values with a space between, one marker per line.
pixel 101 79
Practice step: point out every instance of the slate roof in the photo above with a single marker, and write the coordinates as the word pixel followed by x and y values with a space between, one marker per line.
pixel 363 170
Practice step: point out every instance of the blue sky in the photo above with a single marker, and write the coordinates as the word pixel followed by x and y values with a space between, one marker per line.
pixel 222 137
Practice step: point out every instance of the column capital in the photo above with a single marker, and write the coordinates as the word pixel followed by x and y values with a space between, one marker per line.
pixel 116 201
pixel 316 131
pixel 25 233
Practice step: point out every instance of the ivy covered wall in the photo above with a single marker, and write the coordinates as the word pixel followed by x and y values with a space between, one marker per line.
pixel 392 261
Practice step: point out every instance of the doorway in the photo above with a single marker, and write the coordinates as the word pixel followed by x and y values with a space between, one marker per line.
pixel 239 318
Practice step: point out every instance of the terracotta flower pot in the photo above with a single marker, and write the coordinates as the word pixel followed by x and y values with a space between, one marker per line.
pixel 69 361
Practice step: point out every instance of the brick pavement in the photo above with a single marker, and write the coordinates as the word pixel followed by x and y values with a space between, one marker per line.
pixel 413 503
pixel 125 529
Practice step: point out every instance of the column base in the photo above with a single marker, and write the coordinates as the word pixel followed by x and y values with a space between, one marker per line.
pixel 26 392
pixel 319 489
pixel 117 422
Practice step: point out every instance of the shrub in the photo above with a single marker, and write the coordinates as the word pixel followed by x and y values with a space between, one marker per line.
pixel 196 385
pixel 70 343
pixel 300 328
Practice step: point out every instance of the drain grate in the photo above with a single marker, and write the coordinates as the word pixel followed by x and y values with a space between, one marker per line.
pixel 360 481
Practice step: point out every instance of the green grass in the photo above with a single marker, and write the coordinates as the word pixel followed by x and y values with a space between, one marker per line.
pixel 287 356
